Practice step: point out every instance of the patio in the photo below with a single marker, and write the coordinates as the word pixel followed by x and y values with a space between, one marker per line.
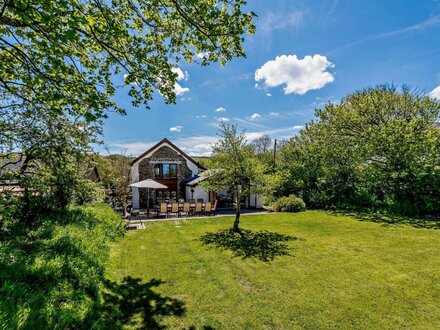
pixel 137 221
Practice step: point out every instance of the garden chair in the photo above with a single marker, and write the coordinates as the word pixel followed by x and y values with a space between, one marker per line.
pixel 186 209
pixel 163 210
pixel 198 209
pixel 208 208
pixel 200 200
pixel 174 209
pixel 191 201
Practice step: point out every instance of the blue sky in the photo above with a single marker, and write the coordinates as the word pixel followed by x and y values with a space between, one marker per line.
pixel 304 54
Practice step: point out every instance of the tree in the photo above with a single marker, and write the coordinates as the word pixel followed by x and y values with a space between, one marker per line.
pixel 379 147
pixel 119 177
pixel 61 61
pixel 63 56
pixel 262 144
pixel 49 165
pixel 233 167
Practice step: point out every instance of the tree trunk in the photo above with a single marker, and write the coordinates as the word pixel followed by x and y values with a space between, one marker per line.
pixel 235 227
pixel 25 213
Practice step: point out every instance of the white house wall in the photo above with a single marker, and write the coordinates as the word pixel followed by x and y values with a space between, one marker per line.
pixel 199 192
pixel 256 201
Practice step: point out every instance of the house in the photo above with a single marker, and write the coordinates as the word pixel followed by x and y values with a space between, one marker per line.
pixel 167 164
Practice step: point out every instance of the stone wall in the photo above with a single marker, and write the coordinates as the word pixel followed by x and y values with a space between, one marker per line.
pixel 146 171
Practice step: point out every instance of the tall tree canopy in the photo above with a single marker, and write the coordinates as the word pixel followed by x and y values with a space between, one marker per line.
pixel 378 147
pixel 61 55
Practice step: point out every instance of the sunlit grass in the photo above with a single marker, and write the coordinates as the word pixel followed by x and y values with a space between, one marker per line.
pixel 341 273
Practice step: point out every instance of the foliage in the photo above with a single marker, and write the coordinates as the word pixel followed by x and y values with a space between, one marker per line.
pixel 115 172
pixel 62 56
pixel 264 151
pixel 61 62
pixel 262 144
pixel 53 158
pixel 234 166
pixel 378 148
pixel 289 203
pixel 52 274
pixel 88 192
pixel 204 161
pixel 342 273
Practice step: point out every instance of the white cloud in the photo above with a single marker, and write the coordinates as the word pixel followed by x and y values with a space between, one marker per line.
pixel 435 93
pixel 220 119
pixel 180 74
pixel 272 21
pixel 298 75
pixel 220 109
pixel 132 148
pixel 250 136
pixel 276 133
pixel 274 114
pixel 201 116
pixel 268 94
pixel 255 116
pixel 192 145
pixel 178 89
pixel 176 129
pixel 201 145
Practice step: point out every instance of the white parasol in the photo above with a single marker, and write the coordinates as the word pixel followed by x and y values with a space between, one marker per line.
pixel 149 184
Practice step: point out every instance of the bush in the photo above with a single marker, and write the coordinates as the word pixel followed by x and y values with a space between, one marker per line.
pixel 291 203
pixel 88 191
pixel 53 273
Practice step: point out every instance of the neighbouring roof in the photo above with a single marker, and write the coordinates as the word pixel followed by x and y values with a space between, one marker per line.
pixel 157 145
pixel 10 165
pixel 194 181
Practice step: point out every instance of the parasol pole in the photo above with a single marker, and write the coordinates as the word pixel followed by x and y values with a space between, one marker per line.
pixel 148 203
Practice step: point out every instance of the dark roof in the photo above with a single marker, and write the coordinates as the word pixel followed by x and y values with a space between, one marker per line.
pixel 171 144
pixel 10 165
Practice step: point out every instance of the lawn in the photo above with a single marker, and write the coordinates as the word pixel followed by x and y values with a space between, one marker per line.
pixel 341 273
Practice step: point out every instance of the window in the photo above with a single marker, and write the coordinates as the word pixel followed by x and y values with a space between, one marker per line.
pixel 165 171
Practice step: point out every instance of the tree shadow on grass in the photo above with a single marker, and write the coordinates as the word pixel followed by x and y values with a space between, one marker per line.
pixel 135 303
pixel 389 219
pixel 262 245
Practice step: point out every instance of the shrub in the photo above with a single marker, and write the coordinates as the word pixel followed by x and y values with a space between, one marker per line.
pixel 87 192
pixel 291 203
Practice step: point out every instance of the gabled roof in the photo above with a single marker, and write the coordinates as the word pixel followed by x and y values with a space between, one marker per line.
pixel 157 145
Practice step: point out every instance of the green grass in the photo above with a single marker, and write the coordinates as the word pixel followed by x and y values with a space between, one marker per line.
pixel 342 273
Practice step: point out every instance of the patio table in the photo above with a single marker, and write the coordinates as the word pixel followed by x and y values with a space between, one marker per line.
pixel 192 207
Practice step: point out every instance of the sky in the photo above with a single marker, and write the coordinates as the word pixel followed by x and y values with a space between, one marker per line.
pixel 303 55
